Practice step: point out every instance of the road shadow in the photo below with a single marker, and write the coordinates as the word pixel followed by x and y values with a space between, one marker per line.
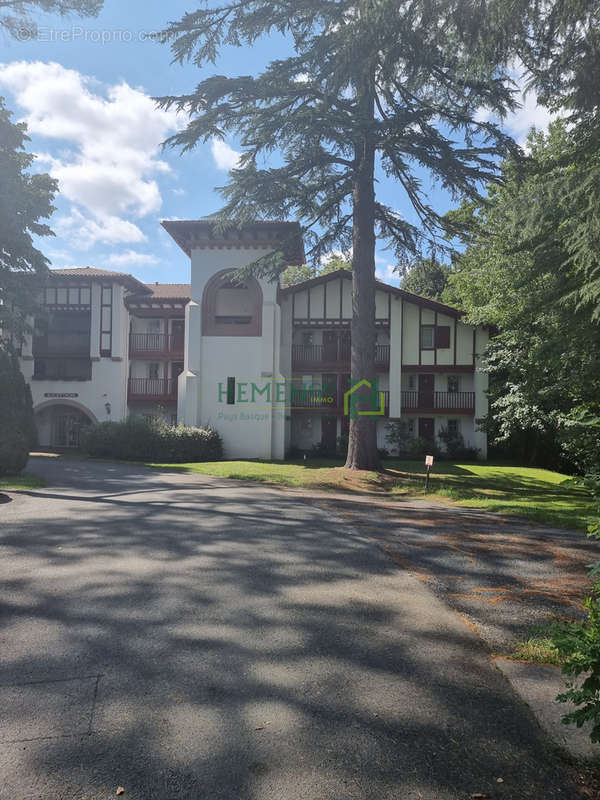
pixel 248 644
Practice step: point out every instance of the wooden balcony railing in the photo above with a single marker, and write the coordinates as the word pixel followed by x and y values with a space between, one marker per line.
pixel 304 354
pixel 152 388
pixel 155 343
pixel 438 401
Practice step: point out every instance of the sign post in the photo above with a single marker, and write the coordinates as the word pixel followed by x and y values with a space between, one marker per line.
pixel 429 465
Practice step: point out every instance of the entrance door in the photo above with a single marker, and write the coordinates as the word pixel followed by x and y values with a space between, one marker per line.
pixel 427 429
pixel 329 435
pixel 330 339
pixel 66 427
pixel 426 386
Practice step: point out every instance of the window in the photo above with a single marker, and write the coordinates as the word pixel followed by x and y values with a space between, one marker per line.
pixel 155 325
pixel 427 337
pixel 453 384
pixel 106 321
pixel 230 391
pixel 62 369
pixel 442 337
pixel 153 369
pixel 307 338
pixel 231 308
pixel 453 427
pixel 410 427
pixel 412 381
pixel 70 297
pixel 62 333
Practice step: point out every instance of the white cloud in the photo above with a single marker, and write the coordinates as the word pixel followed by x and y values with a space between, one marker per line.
pixel 131 257
pixel 82 232
pixel 109 146
pixel 528 115
pixel 225 157
pixel 386 272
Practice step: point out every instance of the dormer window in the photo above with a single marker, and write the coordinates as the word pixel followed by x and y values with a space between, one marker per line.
pixel 231 307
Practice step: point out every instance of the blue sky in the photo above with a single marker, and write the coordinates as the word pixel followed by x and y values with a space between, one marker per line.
pixel 84 87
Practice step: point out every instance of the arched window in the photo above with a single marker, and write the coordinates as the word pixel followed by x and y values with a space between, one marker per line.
pixel 231 307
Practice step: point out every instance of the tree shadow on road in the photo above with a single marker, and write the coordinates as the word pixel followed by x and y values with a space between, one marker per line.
pixel 249 645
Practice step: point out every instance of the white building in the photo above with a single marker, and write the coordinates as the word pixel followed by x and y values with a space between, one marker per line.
pixel 266 366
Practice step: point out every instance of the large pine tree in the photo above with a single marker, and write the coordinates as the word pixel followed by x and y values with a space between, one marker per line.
pixel 370 88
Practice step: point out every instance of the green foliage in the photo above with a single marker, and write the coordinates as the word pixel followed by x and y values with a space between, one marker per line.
pixel 413 96
pixel 304 272
pixel 579 643
pixel 427 277
pixel 408 446
pixel 543 361
pixel 14 451
pixel 17 429
pixel 139 439
pixel 454 446
pixel 15 17
pixel 25 199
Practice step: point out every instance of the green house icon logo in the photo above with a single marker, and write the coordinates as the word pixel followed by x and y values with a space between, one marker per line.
pixel 374 398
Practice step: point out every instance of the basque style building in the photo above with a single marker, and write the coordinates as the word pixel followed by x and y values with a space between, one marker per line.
pixel 267 366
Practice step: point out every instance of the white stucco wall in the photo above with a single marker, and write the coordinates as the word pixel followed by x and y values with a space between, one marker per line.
pixel 252 427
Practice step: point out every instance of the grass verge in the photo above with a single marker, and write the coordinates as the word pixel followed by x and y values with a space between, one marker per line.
pixel 537 494
pixel 16 482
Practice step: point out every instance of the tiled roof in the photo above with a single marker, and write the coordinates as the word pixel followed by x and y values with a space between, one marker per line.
pixel 169 290
pixel 190 233
pixel 157 292
pixel 93 272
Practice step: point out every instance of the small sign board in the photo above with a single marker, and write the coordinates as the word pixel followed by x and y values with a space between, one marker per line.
pixel 61 394
pixel 429 461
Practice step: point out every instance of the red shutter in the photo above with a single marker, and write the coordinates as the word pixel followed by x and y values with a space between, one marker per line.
pixel 442 336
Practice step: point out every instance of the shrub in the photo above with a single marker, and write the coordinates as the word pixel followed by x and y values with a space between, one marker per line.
pixel 579 644
pixel 138 439
pixel 455 447
pixel 14 450
pixel 341 448
pixel 17 428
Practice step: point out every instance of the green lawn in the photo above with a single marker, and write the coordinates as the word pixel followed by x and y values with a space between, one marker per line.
pixel 16 482
pixel 538 494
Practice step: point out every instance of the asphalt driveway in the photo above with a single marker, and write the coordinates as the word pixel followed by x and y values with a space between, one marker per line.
pixel 189 637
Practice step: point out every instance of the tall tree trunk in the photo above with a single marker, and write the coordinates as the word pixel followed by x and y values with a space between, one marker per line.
pixel 362 439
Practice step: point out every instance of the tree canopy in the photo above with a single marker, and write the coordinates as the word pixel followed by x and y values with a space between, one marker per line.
pixel 545 357
pixel 25 200
pixel 16 16
pixel 367 86
pixel 427 277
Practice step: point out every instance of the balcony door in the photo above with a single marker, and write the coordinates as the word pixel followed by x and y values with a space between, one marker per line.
pixel 330 341
pixel 426 388
pixel 177 333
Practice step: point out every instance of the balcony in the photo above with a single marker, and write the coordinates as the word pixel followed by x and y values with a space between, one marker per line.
pixel 436 402
pixel 316 400
pixel 153 344
pixel 152 390
pixel 322 357
pixel 59 343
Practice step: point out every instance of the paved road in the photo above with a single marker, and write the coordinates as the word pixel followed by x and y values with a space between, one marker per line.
pixel 187 637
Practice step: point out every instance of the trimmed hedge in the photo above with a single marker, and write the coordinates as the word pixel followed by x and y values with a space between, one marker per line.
pixel 138 439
